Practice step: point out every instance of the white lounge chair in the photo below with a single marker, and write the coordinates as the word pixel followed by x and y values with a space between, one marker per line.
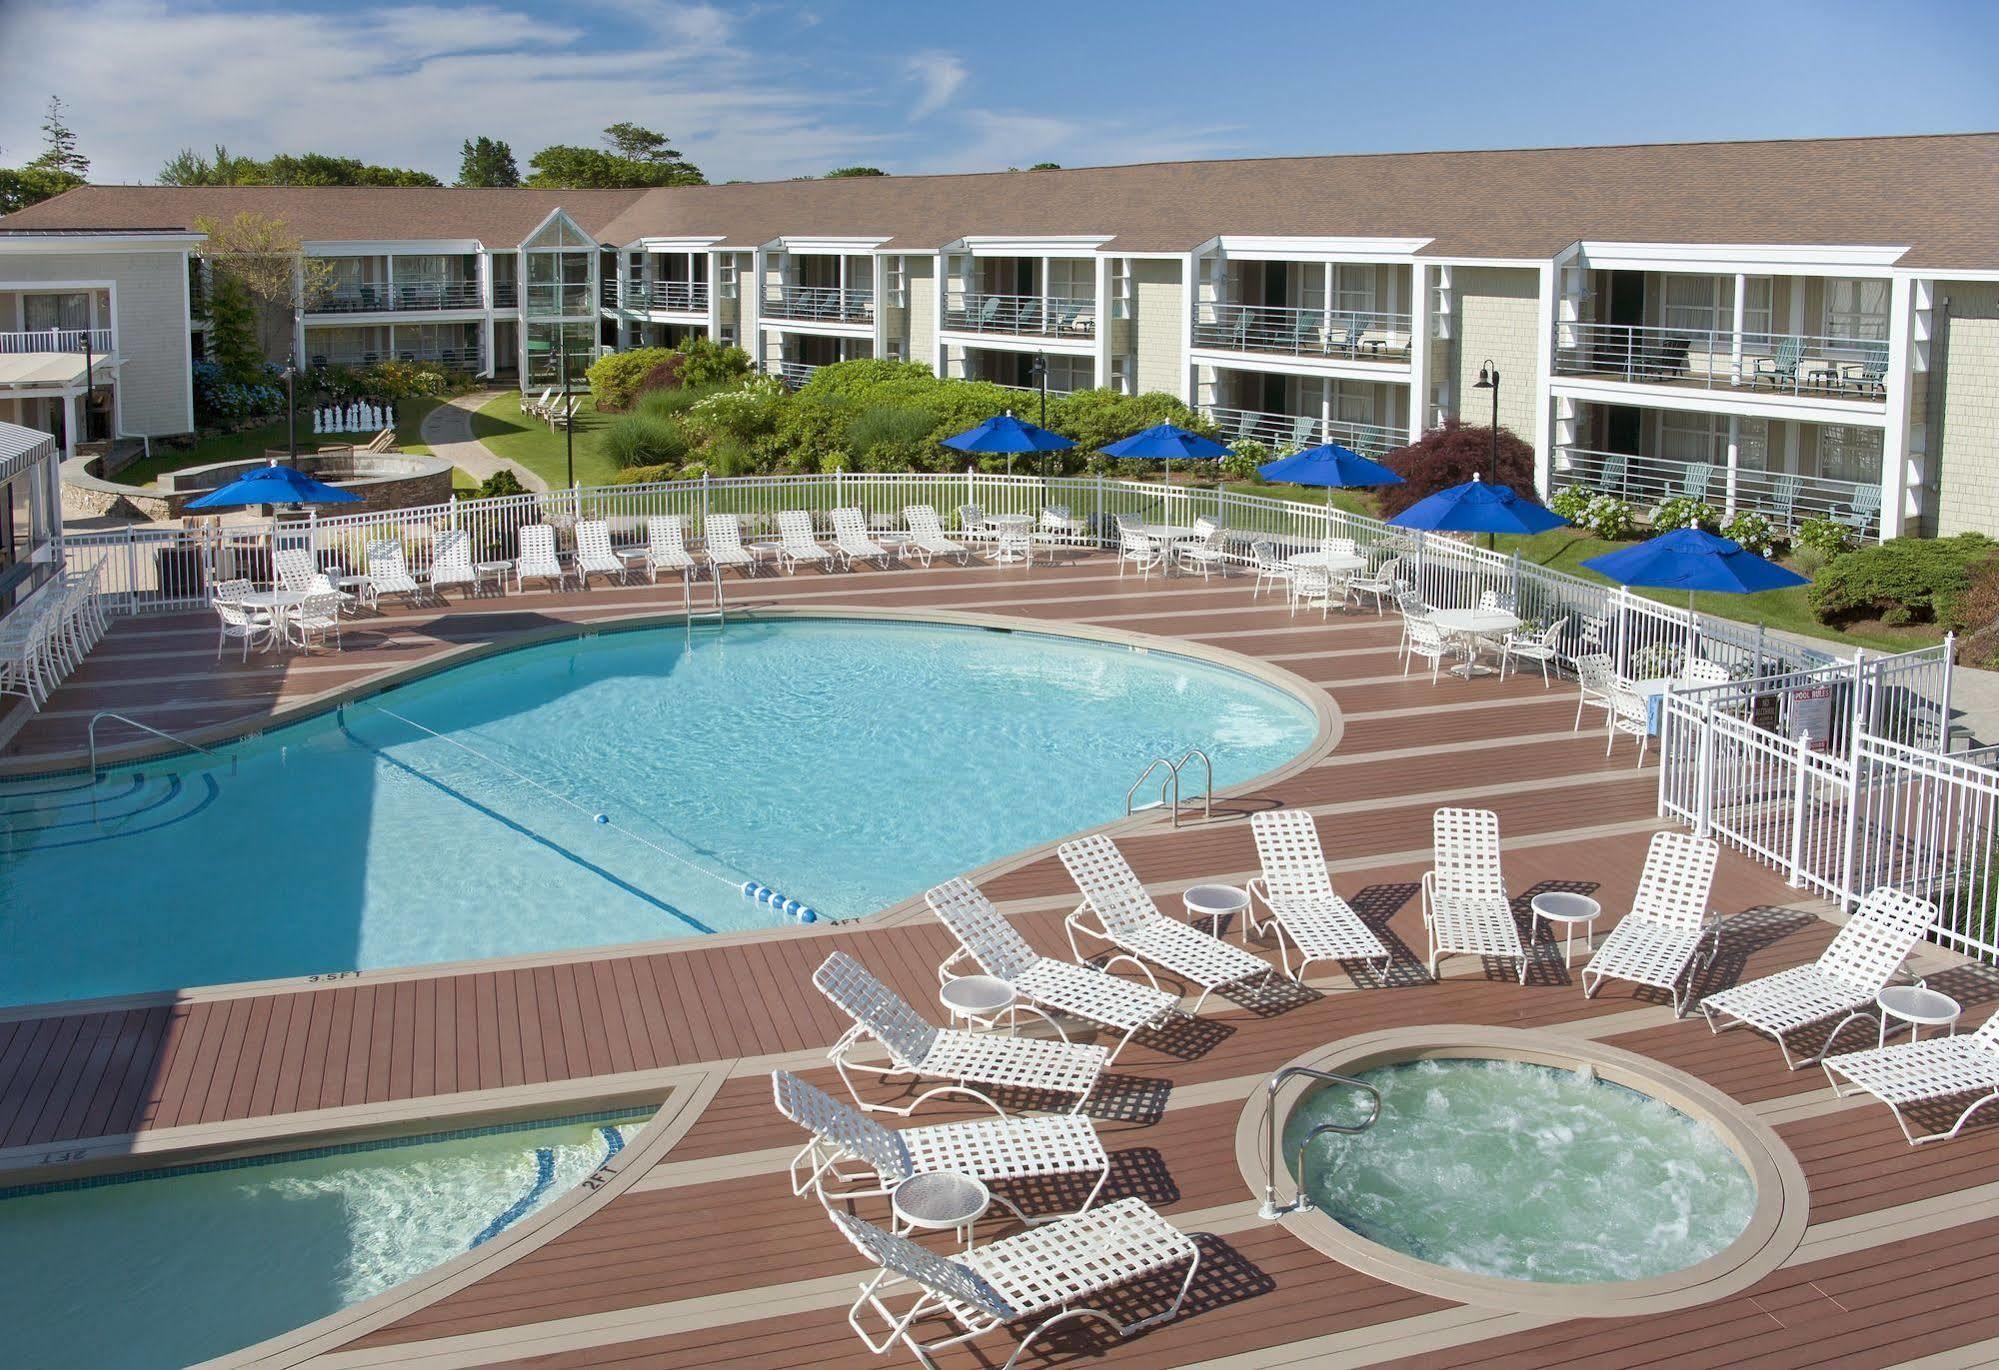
pixel 796 543
pixel 389 572
pixel 1127 918
pixel 666 545
pixel 988 1149
pixel 1862 957
pixel 594 556
pixel 451 561
pixel 293 569
pixel 917 1048
pixel 1465 907
pixel 1657 941
pixel 1045 1276
pixel 1924 1072
pixel 722 544
pixel 1297 890
pixel 996 947
pixel 926 535
pixel 851 542
pixel 538 560
pixel 536 408
pixel 1700 671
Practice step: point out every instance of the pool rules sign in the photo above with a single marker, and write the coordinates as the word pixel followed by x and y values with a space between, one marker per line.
pixel 1811 716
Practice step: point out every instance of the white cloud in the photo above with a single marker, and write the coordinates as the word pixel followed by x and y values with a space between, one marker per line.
pixel 938 76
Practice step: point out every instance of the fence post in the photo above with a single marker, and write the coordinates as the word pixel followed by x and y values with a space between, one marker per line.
pixel 837 471
pixel 1850 838
pixel 312 534
pixel 1704 780
pixel 706 495
pixel 1800 797
pixel 1943 694
pixel 1513 588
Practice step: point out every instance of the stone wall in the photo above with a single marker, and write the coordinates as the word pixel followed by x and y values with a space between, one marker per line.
pixel 384 480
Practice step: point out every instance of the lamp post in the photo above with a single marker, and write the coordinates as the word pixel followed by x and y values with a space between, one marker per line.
pixel 89 387
pixel 1488 379
pixel 1037 374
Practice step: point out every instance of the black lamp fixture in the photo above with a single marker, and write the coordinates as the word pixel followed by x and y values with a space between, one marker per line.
pixel 1037 375
pixel 1488 379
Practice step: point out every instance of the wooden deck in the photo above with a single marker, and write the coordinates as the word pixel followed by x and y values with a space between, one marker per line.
pixel 704 1257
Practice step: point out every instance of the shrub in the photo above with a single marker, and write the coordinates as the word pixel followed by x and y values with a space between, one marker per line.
pixel 728 457
pixel 671 403
pixel 1571 500
pixel 746 413
pixel 645 475
pixel 1906 580
pixel 1684 511
pixel 217 399
pixel 501 482
pixel 704 361
pixel 1242 461
pixel 645 440
pixel 888 438
pixel 1098 418
pixel 1452 455
pixel 1610 518
pixel 1823 537
pixel 615 378
pixel 1754 531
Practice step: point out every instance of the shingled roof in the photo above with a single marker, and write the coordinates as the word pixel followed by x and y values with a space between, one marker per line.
pixel 1937 196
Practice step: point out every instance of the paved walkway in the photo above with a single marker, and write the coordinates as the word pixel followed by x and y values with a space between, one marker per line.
pixel 447 431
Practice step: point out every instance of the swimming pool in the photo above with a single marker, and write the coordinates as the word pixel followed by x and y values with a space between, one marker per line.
pixel 173 1267
pixel 847 764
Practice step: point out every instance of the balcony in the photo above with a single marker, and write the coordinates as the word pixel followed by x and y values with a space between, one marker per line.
pixel 57 340
pixel 457 358
pixel 819 304
pixel 681 297
pixel 795 374
pixel 1850 368
pixel 506 294
pixel 1286 432
pixel 1036 316
pixel 1787 500
pixel 1350 335
pixel 411 296
pixel 549 300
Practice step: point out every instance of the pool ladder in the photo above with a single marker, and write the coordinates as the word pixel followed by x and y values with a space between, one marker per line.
pixel 1169 786
pixel 716 608
pixel 178 741
pixel 1271 1209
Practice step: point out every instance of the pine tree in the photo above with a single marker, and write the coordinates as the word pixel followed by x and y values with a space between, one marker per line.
pixel 62 156
pixel 232 329
pixel 487 162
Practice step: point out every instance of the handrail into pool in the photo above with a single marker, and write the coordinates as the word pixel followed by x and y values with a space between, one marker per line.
pixel 1172 782
pixel 1271 1209
pixel 103 714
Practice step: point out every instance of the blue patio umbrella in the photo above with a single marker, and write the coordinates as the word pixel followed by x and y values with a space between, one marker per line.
pixel 1690 559
pixel 1330 465
pixel 1476 507
pixel 1005 433
pixel 273 484
pixel 1164 442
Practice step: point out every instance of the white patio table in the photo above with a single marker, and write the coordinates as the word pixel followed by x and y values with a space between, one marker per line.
pixel 1474 624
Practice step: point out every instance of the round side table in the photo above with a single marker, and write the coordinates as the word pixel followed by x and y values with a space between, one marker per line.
pixel 1559 906
pixel 940 1201
pixel 978 1001
pixel 1919 1007
pixel 1214 901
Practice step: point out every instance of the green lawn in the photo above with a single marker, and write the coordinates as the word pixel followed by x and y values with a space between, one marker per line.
pixel 253 442
pixel 509 433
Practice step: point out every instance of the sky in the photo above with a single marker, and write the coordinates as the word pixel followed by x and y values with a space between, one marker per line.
pixel 796 87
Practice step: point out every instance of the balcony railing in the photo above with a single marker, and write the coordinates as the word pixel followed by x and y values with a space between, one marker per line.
pixel 506 294
pixel 1352 335
pixel 685 297
pixel 548 300
pixel 1288 432
pixel 1784 363
pixel 795 374
pixel 1041 316
pixel 458 358
pixel 57 340
pixel 1786 500
pixel 819 304
pixel 370 298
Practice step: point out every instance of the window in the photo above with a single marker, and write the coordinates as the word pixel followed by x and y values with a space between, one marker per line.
pixel 1856 309
pixel 1706 304
pixel 893 273
pixel 726 335
pixel 1353 287
pixel 1072 278
pixel 1704 437
pixel 1353 403
pixel 42 312
pixel 558 283
pixel 1849 453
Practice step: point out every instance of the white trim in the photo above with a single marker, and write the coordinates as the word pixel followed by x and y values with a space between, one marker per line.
pixel 28 243
pixel 557 213
pixel 187 330
pixel 1044 245
pixel 1754 259
pixel 685 243
pixel 1270 363
pixel 392 247
pixel 1723 400
pixel 827 247
pixel 1515 263
pixel 1258 248
pixel 1016 342
pixel 821 328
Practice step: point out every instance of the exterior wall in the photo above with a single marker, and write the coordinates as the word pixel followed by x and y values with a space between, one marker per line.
pixel 921 278
pixel 1497 317
pixel 1964 408
pixel 1159 306
pixel 150 313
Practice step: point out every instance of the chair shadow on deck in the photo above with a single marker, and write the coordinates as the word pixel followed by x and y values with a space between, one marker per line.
pixel 1134 1100
pixel 1742 936
pixel 1543 942
pixel 1377 906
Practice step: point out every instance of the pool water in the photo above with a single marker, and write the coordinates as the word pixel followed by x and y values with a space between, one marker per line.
pixel 173 1268
pixel 1524 1171
pixel 847 765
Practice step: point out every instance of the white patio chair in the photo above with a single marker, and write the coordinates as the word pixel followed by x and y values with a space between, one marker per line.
pixel 1411 607
pixel 1313 587
pixel 1205 554
pixel 1700 671
pixel 1630 712
pixel 797 545
pixel 1058 529
pixel 722 544
pixel 236 621
pixel 1655 944
pixel 996 947
pixel 916 1048
pixel 536 408
pixel 1465 907
pixel 1382 584
pixel 866 1160
pixel 1596 677
pixel 594 556
pixel 1862 957
pixel 389 572
pixel 538 560
pixel 293 568
pixel 972 525
pixel 1339 547
pixel 1134 548
pixel 666 545
pixel 926 535
pixel 1924 1072
pixel 1424 640
pixel 1045 1276
pixel 1297 890
pixel 1544 647
pixel 851 541
pixel 27 666
pixel 451 561
pixel 1128 919
pixel 1271 569
pixel 315 617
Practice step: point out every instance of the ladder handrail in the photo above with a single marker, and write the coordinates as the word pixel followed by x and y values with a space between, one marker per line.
pixel 1271 1209
pixel 1171 784
pixel 103 714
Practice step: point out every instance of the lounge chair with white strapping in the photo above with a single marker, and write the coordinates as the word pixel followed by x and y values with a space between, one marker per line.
pixel 722 544
pixel 926 535
pixel 996 947
pixel 1862 957
pixel 917 1048
pixel 594 556
pixel 1655 944
pixel 1128 919
pixel 536 408
pixel 389 571
pixel 666 545
pixel 1914 1072
pixel 451 561
pixel 797 544
pixel 1038 1280
pixel 863 1159
pixel 1700 671
pixel 1297 890
pixel 1465 907
pixel 538 560
pixel 293 568
pixel 851 542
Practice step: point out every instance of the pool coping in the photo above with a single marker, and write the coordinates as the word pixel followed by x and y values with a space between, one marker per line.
pixel 1775 1229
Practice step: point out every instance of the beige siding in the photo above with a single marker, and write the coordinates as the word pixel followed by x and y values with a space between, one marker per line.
pixel 1158 304
pixel 150 313
pixel 1965 408
pixel 921 276
pixel 1498 317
